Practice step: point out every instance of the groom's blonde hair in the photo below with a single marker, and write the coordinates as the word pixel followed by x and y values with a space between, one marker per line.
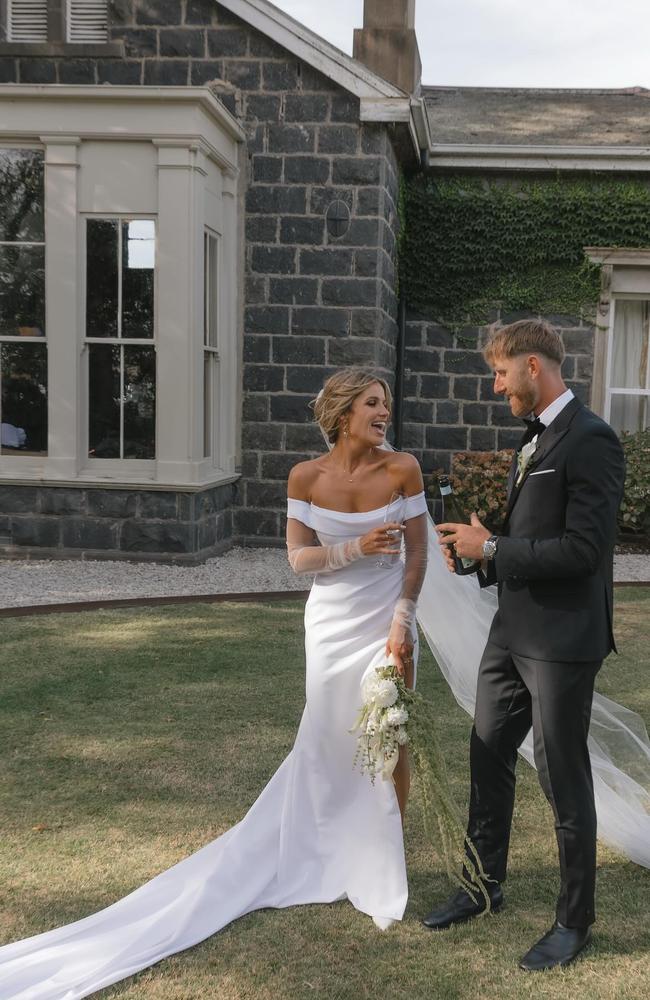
pixel 526 336
pixel 339 393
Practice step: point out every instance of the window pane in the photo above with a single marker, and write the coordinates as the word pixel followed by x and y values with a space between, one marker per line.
pixel 210 291
pixel 139 402
pixel 630 413
pixel 630 346
pixel 21 196
pixel 207 405
pixel 104 401
pixel 138 260
pixel 22 291
pixel 101 277
pixel 23 372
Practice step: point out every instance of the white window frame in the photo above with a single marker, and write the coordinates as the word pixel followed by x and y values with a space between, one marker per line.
pixel 625 274
pixel 211 342
pixel 29 464
pixel 119 467
pixel 191 149
pixel 610 390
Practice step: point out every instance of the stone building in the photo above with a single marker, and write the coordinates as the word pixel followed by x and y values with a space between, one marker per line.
pixel 199 221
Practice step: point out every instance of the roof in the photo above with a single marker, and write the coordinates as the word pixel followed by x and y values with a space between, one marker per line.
pixel 380 101
pixel 349 73
pixel 504 116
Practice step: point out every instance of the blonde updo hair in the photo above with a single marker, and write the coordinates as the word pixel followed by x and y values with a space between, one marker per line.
pixel 339 393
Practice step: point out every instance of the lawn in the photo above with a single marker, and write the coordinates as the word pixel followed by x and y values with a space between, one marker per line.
pixel 131 738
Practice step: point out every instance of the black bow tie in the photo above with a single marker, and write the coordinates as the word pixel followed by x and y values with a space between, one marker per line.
pixel 533 427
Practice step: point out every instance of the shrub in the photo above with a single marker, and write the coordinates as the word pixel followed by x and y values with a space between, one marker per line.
pixel 480 480
pixel 634 514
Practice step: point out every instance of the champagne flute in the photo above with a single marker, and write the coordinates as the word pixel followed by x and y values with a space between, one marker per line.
pixel 395 511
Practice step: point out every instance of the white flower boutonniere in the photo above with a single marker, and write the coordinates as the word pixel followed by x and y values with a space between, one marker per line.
pixel 524 457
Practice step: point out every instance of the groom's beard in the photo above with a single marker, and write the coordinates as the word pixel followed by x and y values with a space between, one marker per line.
pixel 524 396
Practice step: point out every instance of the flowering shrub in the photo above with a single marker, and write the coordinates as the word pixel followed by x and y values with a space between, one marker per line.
pixel 634 513
pixel 480 480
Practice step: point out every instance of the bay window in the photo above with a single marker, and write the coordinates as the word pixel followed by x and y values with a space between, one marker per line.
pixel 120 346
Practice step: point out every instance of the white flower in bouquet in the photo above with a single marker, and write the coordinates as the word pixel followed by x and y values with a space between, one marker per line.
pixel 396 716
pixel 381 722
pixel 386 693
pixel 369 687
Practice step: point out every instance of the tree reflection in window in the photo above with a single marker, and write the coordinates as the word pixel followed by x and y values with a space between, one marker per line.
pixel 120 309
pixel 23 371
pixel 23 363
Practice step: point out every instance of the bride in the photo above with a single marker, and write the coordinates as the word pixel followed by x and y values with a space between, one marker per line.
pixel 320 831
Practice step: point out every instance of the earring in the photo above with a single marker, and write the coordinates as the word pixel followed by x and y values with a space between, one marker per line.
pixel 345 430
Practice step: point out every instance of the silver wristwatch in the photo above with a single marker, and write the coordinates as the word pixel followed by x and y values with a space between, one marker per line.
pixel 490 547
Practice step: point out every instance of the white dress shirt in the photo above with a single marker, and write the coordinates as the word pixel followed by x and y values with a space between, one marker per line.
pixel 554 409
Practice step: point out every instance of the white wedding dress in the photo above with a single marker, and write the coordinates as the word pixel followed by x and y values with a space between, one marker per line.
pixel 319 832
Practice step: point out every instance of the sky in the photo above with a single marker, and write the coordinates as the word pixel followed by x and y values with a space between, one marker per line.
pixel 510 43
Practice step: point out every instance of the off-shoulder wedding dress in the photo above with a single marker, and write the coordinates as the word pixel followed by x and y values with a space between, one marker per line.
pixel 319 832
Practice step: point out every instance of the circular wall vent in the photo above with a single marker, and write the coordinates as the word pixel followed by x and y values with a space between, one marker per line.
pixel 338 219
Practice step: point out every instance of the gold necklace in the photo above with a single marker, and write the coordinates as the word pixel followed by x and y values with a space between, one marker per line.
pixel 350 475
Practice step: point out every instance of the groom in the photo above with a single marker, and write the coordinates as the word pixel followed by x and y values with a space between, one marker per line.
pixel 553 566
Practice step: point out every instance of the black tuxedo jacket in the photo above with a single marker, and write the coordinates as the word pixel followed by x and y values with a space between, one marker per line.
pixel 554 559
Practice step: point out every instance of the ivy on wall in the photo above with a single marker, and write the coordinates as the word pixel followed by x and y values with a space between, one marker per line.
pixel 470 246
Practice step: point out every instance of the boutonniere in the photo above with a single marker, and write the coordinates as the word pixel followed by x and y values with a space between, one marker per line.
pixel 524 457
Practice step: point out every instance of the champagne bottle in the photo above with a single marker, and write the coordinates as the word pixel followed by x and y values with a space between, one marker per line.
pixel 453 512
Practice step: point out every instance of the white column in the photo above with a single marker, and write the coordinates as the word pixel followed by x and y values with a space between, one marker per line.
pixel 62 304
pixel 178 337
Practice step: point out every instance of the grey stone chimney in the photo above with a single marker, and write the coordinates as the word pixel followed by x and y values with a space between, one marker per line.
pixel 387 43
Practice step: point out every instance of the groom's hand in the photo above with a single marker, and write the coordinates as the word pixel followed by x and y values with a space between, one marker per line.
pixel 467 539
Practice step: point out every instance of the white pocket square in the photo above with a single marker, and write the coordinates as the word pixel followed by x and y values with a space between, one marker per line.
pixel 542 472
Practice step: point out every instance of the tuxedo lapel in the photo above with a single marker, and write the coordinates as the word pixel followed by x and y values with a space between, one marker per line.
pixel 548 440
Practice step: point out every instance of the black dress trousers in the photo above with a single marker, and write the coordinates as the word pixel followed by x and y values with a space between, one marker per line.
pixel 515 692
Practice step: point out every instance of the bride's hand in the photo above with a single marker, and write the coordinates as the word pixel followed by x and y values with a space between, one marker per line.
pixel 399 645
pixel 385 540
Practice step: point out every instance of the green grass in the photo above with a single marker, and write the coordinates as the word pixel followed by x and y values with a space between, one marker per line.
pixel 132 738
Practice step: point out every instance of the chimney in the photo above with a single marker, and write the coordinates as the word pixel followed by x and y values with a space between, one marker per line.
pixel 387 43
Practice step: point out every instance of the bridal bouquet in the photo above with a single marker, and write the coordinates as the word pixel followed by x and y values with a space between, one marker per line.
pixel 393 716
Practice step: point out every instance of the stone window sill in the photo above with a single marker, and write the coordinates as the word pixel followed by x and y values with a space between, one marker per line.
pixel 49 50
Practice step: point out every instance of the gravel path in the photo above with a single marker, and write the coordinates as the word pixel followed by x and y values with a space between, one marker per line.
pixel 238 571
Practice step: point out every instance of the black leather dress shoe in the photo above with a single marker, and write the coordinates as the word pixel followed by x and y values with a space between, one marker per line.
pixel 558 947
pixel 461 907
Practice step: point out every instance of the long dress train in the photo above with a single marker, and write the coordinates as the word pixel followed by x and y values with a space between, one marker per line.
pixel 320 831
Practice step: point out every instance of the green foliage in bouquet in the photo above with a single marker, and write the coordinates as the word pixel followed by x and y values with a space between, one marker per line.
pixel 634 513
